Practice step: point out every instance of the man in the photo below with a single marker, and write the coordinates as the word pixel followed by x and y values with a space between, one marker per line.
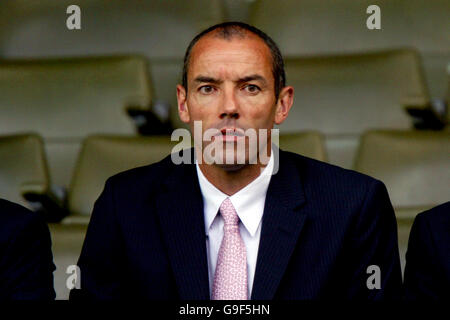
pixel 287 228
pixel 26 260
pixel 427 270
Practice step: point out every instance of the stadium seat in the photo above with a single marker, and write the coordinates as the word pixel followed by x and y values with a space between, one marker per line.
pixel 305 28
pixel 309 144
pixel 344 95
pixel 67 241
pixel 23 167
pixel 103 156
pixel 308 27
pixel 414 167
pixel 65 100
pixel 161 30
pixel 412 164
pixel 448 94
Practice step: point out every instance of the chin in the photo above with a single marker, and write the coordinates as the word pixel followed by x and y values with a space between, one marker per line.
pixel 231 167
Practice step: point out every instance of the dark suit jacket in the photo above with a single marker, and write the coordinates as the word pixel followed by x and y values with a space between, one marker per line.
pixel 427 270
pixel 322 227
pixel 26 260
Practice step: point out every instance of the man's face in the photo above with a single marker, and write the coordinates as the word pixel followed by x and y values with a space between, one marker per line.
pixel 231 88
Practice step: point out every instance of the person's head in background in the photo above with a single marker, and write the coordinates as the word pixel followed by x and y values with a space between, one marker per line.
pixel 233 78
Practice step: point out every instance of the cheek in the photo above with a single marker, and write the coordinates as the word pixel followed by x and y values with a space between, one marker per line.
pixel 201 108
pixel 260 109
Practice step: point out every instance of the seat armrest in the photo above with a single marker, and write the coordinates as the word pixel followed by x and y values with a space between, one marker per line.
pixel 44 201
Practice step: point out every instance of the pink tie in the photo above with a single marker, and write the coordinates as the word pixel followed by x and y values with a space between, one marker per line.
pixel 230 279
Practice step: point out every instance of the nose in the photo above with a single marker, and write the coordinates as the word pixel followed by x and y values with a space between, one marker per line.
pixel 229 105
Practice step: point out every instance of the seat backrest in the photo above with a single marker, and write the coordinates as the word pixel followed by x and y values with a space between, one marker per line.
pixel 414 165
pixel 158 29
pixel 326 26
pixel 22 166
pixel 448 94
pixel 64 100
pixel 72 98
pixel 347 94
pixel 103 156
pixel 308 144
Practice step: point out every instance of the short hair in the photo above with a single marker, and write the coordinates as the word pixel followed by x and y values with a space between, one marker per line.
pixel 229 30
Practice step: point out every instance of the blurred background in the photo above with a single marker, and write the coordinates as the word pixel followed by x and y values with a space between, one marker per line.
pixel 77 106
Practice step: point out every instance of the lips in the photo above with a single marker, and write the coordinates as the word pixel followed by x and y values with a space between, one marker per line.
pixel 231 134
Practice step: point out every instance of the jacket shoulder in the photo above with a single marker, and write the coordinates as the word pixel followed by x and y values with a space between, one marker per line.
pixel 16 218
pixel 146 177
pixel 325 173
pixel 436 215
pixel 435 222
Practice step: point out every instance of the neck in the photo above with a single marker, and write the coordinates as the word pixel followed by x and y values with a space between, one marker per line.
pixel 231 181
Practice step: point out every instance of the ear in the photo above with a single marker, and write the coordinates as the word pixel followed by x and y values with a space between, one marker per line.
pixel 183 111
pixel 284 104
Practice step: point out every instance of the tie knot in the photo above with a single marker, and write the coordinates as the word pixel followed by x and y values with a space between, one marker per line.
pixel 228 213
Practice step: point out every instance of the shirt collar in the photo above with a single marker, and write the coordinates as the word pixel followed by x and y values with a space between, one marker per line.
pixel 248 202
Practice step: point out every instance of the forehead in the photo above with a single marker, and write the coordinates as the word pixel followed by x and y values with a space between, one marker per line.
pixel 237 56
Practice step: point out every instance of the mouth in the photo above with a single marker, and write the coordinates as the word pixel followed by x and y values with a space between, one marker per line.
pixel 229 134
pixel 232 132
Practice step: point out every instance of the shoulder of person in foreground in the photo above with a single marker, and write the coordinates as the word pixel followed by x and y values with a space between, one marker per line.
pixel 337 184
pixel 26 260
pixel 125 200
pixel 146 178
pixel 359 205
pixel 427 270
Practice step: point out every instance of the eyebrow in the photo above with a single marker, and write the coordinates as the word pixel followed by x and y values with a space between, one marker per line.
pixel 207 79
pixel 252 77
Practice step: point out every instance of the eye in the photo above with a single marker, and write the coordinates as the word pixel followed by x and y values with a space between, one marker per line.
pixel 251 88
pixel 206 89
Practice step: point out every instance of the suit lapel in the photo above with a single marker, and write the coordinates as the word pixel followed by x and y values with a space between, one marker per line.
pixel 281 225
pixel 180 209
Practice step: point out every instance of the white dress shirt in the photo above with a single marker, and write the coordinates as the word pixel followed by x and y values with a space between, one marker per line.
pixel 249 204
